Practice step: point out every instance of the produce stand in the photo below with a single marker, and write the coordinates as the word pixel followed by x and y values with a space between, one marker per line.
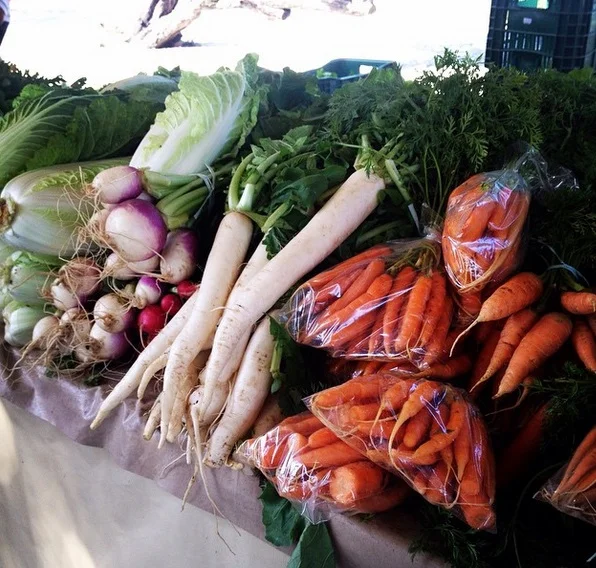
pixel 382 541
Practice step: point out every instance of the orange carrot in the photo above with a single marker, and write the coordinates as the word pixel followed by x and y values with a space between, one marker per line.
pixel 440 486
pixel 438 344
pixel 356 317
pixel 414 314
pixel 306 426
pixel 451 369
pixel 457 417
pixel 419 399
pixel 398 296
pixel 486 470
pixel 360 389
pixel 584 344
pixel 354 481
pixel 374 269
pixel 587 444
pixel 592 323
pixel 516 327
pixel 321 438
pixel 434 308
pixel 378 251
pixel 582 477
pixel 477 511
pixel 368 411
pixel 395 396
pixel 579 303
pixel 542 341
pixel 517 456
pixel 375 341
pixel 389 498
pixel 469 306
pixel 416 429
pixel 519 292
pixel 406 458
pixel 475 225
pixel 377 429
pixel 334 289
pixel 462 446
pixel 336 454
pixel 483 360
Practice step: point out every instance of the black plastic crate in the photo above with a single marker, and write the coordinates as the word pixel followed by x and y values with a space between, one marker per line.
pixel 340 71
pixel 533 34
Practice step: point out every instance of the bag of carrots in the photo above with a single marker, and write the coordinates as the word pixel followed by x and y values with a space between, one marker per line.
pixel 483 231
pixel 424 431
pixel 310 466
pixel 390 303
pixel 572 490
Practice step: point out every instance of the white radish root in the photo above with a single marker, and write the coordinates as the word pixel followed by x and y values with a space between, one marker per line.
pixel 153 419
pixel 251 387
pixel 330 226
pixel 221 271
pixel 131 380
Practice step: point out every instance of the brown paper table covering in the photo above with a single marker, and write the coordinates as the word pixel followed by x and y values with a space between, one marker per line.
pixel 70 407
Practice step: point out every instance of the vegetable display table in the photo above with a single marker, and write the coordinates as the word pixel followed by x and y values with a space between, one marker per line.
pixel 70 407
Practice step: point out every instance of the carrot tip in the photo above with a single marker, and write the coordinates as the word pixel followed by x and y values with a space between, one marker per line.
pixel 460 336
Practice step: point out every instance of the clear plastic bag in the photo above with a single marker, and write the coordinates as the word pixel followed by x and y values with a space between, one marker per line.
pixel 389 303
pixel 483 231
pixel 310 466
pixel 572 490
pixel 424 431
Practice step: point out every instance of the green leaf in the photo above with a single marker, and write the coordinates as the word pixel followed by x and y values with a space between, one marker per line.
pixel 314 550
pixel 283 523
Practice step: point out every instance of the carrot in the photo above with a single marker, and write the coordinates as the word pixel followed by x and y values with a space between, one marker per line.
pixel 406 457
pixel 434 308
pixel 486 467
pixel 440 487
pixel 543 340
pixel 354 481
pixel 362 412
pixel 374 269
pixel 276 450
pixel 584 344
pixel 579 303
pixel 321 438
pixel 378 251
pixel 414 313
pixel 462 446
pixel 441 440
pixel 470 482
pixel 592 323
pixel 449 370
pixel 483 360
pixel 517 456
pixel 475 225
pixel 516 327
pixel 517 293
pixel 469 306
pixel 334 289
pixel 417 428
pixel 306 426
pixel 336 454
pixel 397 299
pixel 587 444
pixel 389 498
pixel 438 344
pixel 359 389
pixel 377 429
pixel 375 341
pixel 345 324
pixel 477 511
pixel 586 475
pixel 395 396
pixel 419 399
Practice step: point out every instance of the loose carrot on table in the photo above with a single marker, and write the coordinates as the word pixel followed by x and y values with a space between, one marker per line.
pixel 519 292
pixel 579 303
pixel 515 328
pixel 543 340
pixel 483 360
pixel 398 297
pixel 355 481
pixel 584 343
pixel 413 315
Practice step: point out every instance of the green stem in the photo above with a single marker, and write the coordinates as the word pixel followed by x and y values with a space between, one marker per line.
pixel 166 180
pixel 396 179
pixel 187 203
pixel 178 193
pixel 376 232
pixel 275 216
pixel 252 186
pixel 234 188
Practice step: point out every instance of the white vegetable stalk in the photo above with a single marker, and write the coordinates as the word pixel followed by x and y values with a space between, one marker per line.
pixel 42 210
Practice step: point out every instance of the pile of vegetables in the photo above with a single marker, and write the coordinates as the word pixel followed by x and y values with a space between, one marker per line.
pixel 242 241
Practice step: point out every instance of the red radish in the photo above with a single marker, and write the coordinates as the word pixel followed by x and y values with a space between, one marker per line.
pixel 171 304
pixel 186 289
pixel 136 230
pixel 151 319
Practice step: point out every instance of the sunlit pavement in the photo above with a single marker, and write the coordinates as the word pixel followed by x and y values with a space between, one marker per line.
pixel 84 38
